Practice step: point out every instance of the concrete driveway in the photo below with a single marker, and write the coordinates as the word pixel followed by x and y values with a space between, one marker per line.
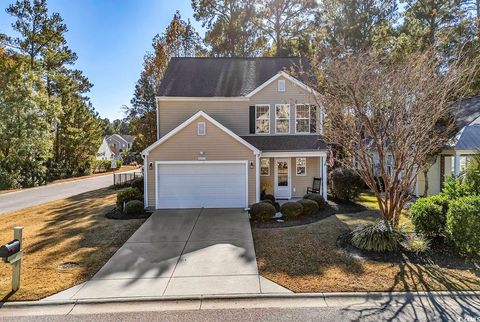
pixel 180 253
pixel 30 197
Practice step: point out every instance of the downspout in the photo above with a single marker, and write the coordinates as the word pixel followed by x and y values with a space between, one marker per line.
pixel 145 180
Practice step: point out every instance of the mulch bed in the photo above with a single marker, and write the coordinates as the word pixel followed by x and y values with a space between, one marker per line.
pixel 117 214
pixel 334 207
pixel 441 254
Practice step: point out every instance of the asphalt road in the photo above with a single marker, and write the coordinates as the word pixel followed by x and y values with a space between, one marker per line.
pixel 388 313
pixel 35 196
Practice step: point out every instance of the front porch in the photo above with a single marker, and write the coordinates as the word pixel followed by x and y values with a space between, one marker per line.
pixel 288 175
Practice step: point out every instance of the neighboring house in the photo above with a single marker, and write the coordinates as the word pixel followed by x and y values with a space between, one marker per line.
pixel 113 146
pixel 452 160
pixel 229 126
pixel 104 151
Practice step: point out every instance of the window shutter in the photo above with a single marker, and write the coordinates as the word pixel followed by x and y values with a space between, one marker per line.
pixel 252 119
pixel 313 119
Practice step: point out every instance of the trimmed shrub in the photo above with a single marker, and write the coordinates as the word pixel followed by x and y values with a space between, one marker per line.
pixel 268 201
pixel 269 197
pixel 137 183
pixel 262 211
pixel 463 224
pixel 119 163
pixel 429 215
pixel 128 194
pixel 134 208
pixel 317 198
pixel 376 237
pixel 346 185
pixel 455 188
pixel 309 206
pixel 291 209
pixel 101 166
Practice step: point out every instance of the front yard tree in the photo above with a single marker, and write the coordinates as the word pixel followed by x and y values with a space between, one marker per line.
pixel 230 31
pixel 399 110
pixel 287 25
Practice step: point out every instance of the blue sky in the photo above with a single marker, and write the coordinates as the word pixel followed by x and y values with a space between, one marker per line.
pixel 110 38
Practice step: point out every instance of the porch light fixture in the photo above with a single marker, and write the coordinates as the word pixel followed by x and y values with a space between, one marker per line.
pixel 150 166
pixel 251 164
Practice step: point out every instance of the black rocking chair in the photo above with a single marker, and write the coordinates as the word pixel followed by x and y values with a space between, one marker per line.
pixel 316 186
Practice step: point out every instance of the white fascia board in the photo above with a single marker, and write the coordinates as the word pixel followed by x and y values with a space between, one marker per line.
pixel 202 99
pixel 288 77
pixel 190 120
pixel 294 154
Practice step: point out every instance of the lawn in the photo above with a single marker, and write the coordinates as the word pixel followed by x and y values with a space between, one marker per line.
pixel 306 259
pixel 72 230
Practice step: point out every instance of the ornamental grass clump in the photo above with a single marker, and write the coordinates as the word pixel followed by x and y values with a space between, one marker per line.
pixel 376 237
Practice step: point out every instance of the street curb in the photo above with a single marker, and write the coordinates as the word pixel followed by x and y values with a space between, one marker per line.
pixel 341 298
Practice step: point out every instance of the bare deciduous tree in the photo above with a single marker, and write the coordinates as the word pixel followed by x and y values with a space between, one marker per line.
pixel 401 110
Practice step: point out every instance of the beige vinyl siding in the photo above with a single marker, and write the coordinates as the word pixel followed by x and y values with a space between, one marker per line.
pixel 186 145
pixel 293 95
pixel 299 184
pixel 234 115
pixel 268 180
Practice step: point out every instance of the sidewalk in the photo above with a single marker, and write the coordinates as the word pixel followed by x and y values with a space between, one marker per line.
pixel 447 305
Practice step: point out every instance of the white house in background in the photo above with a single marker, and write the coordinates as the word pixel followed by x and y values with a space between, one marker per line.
pixel 113 146
pixel 104 152
pixel 456 156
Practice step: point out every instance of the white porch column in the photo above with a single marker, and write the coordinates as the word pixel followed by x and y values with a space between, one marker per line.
pixel 257 177
pixel 456 164
pixel 323 169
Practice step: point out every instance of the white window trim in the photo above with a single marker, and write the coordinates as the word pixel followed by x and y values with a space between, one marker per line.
pixel 199 124
pixel 265 175
pixel 279 88
pixel 309 117
pixel 296 167
pixel 288 119
pixel 269 119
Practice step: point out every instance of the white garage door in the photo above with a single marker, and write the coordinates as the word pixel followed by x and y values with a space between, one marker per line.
pixel 196 185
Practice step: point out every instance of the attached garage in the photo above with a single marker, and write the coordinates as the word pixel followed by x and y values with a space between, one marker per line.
pixel 197 184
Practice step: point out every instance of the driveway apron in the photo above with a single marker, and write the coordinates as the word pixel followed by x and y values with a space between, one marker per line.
pixel 179 253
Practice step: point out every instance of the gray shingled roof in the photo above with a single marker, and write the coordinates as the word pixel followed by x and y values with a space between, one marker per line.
pixel 470 138
pixel 286 142
pixel 467 111
pixel 221 77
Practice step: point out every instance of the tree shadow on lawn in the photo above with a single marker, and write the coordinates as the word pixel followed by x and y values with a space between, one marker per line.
pixel 73 230
pixel 303 251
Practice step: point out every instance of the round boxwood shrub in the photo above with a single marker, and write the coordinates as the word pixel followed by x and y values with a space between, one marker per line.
pixel 137 183
pixel 262 211
pixel 463 223
pixel 134 208
pixel 346 185
pixel 317 198
pixel 376 237
pixel 309 206
pixel 128 194
pixel 269 197
pixel 269 201
pixel 291 209
pixel 429 215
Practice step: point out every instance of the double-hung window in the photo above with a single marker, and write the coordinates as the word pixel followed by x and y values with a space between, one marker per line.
pixel 282 118
pixel 302 118
pixel 301 166
pixel 262 118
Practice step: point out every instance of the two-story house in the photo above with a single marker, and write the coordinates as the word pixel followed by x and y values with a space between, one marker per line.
pixel 230 127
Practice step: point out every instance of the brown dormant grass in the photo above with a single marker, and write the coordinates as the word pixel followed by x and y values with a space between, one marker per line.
pixel 305 259
pixel 71 230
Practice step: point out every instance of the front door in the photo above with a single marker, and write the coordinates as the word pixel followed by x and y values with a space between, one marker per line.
pixel 282 179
